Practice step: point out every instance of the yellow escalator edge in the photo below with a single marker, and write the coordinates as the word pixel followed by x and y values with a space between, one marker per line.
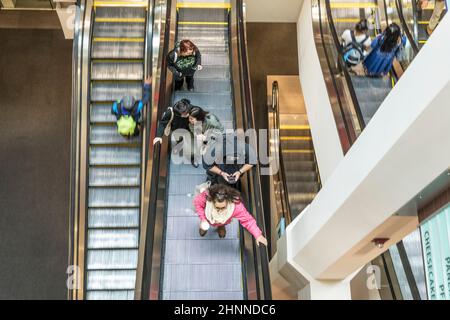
pixel 294 138
pixel 353 5
pixel 294 127
pixel 203 23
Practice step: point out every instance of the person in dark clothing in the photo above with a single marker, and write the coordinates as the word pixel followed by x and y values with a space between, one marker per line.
pixel 226 161
pixel 183 61
pixel 128 111
pixel 176 117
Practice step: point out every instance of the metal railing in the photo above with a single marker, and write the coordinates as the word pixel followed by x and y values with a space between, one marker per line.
pixel 281 190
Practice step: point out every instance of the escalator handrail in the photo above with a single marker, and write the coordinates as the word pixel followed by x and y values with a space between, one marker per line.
pixel 262 255
pixel 279 154
pixel 145 279
pixel 399 6
pixel 343 67
pixel 75 128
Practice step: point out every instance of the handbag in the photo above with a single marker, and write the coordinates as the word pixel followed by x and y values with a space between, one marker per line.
pixel 202 187
pixel 168 128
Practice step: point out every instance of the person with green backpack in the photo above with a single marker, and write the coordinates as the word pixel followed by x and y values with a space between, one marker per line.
pixel 128 111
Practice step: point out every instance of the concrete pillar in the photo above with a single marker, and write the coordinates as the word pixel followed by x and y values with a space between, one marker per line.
pixel 327 290
pixel 66 14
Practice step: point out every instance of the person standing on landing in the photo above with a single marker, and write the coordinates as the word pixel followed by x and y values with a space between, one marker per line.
pixel 218 206
pixel 183 61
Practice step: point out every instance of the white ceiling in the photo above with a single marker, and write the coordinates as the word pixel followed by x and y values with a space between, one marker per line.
pixel 273 10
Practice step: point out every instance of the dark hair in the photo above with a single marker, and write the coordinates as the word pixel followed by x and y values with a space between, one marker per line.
pixel 390 37
pixel 361 26
pixel 221 193
pixel 186 45
pixel 198 113
pixel 182 106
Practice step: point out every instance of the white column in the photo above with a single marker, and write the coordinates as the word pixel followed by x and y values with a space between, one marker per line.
pixel 326 290
pixel 66 13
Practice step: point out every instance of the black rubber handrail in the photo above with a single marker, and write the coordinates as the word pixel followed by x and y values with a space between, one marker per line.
pixel 349 137
pixel 281 170
pixel 399 6
pixel 343 67
pixel 262 257
pixel 147 278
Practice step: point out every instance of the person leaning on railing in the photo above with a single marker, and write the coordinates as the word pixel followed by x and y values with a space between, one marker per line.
pixel 218 206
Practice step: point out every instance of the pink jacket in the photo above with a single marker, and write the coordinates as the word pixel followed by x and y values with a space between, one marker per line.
pixel 240 213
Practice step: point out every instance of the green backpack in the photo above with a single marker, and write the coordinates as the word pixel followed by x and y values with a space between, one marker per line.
pixel 126 126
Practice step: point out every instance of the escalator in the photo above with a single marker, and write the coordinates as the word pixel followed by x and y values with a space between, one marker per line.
pixel 187 257
pixel 418 18
pixel 110 167
pixel 356 101
pixel 297 180
pixel 176 263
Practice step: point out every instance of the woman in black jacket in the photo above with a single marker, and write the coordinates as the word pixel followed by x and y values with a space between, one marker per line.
pixel 183 61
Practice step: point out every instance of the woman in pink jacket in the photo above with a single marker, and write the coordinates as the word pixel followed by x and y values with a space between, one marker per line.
pixel 218 206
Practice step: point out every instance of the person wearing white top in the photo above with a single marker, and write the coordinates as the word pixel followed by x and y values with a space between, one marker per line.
pixel 356 43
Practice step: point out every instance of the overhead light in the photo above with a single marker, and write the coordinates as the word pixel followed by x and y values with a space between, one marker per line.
pixel 379 242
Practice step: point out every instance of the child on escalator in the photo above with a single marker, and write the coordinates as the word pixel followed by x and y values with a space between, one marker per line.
pixel 128 111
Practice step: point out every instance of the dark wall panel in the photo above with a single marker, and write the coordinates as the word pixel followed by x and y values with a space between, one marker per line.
pixel 35 97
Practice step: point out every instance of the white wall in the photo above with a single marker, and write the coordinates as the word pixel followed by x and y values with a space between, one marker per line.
pixel 324 132
pixel 273 10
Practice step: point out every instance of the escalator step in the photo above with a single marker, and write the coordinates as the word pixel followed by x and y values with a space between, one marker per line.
pixel 216 59
pixel 114 197
pixel 303 187
pixel 213 72
pixel 205 100
pixel 119 12
pixel 181 206
pixel 203 15
pixel 201 295
pixel 114 176
pixel 296 144
pixel 208 85
pixel 183 185
pixel 112 91
pixel 110 295
pixel 222 251
pixel 117 71
pixel 114 156
pixel 119 30
pixel 294 156
pixel 192 277
pixel 186 169
pixel 117 50
pixel 101 280
pixel 110 218
pixel 112 259
pixel 109 135
pixel 101 113
pixel 179 228
pixel 113 239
